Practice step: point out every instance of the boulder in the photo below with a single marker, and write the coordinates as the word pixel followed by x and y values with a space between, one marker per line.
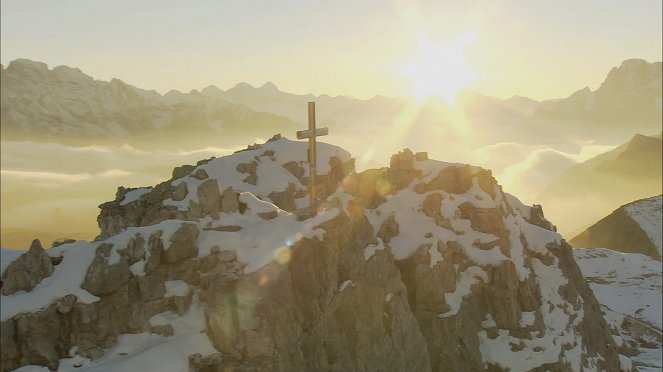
pixel 209 198
pixel 27 271
pixel 103 278
pixel 229 201
pixel 180 192
pixel 183 244
pixel 200 174
pixel 182 171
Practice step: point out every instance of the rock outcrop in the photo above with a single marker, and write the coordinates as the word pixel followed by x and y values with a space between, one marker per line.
pixel 26 272
pixel 424 265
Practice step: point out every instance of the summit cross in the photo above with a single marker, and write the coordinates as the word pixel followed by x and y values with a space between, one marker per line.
pixel 311 133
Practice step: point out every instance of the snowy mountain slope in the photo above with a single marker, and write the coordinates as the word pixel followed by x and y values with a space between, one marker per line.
pixel 632 228
pixel 64 104
pixel 648 213
pixel 628 286
pixel 423 265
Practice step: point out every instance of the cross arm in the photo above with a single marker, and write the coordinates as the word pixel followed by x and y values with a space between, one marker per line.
pixel 310 133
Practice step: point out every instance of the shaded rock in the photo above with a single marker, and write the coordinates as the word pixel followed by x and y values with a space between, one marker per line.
pixel 104 278
pixel 251 169
pixel 618 231
pixel 268 215
pixel 27 271
pixel 155 248
pixel 296 170
pixel 180 192
pixel 389 229
pixel 61 241
pixel 209 198
pixel 184 244
pixel 229 200
pixel 285 199
pixel 135 250
pixel 200 174
pixel 181 171
pixel 151 287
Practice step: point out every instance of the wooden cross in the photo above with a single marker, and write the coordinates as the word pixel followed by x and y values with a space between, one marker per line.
pixel 311 133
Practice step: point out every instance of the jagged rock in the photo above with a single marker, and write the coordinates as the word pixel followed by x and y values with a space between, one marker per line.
pixel 389 229
pixel 421 156
pixel 27 271
pixel 180 192
pixel 209 198
pixel 104 278
pixel 285 199
pixel 251 169
pixel 184 170
pixel 61 241
pixel 229 200
pixel 155 248
pixel 457 180
pixel 135 250
pixel 338 299
pixel 200 174
pixel 151 287
pixel 184 244
pixel 296 170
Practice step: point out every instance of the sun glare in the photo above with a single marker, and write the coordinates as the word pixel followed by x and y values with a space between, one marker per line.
pixel 438 68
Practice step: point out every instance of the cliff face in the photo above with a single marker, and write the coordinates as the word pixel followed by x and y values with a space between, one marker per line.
pixel 420 266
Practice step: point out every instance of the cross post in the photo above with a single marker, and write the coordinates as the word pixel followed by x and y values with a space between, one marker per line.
pixel 311 133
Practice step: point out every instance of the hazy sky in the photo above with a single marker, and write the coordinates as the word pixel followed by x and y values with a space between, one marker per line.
pixel 541 49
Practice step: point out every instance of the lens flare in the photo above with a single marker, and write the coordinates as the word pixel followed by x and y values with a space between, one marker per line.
pixel 383 187
pixel 282 255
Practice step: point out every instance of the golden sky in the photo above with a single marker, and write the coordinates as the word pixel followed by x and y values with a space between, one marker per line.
pixel 540 49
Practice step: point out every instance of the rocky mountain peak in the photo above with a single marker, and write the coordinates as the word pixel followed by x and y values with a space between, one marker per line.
pixel 632 76
pixel 211 91
pixel 269 86
pixel 420 265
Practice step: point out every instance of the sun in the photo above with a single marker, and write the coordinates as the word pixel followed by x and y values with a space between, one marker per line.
pixel 438 68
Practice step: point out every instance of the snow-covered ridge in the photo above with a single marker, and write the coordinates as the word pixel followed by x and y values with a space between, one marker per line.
pixel 421 242
pixel 648 213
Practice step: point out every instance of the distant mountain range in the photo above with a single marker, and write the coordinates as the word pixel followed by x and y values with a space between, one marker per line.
pixel 66 105
pixel 627 102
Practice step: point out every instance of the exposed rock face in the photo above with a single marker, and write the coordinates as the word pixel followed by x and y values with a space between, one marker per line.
pixel 423 266
pixel 103 277
pixel 632 228
pixel 27 271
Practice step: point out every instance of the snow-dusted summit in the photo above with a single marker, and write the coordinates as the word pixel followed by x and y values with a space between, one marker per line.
pixel 424 265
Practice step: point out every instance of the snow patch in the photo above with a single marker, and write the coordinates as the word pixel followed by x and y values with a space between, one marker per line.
pixel 134 195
